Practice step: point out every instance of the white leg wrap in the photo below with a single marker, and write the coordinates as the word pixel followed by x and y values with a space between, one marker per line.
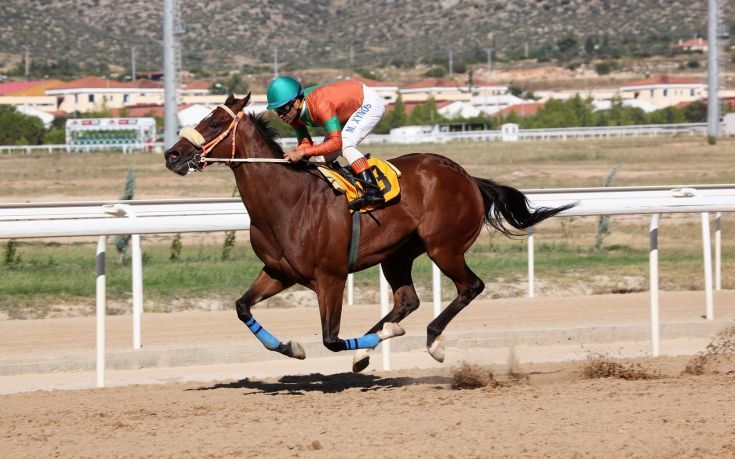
pixel 390 330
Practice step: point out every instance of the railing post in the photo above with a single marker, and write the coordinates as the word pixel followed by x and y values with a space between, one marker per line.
pixel 120 210
pixel 437 288
pixel 137 289
pixel 707 250
pixel 101 298
pixel 385 345
pixel 653 283
pixel 350 289
pixel 531 264
pixel 718 252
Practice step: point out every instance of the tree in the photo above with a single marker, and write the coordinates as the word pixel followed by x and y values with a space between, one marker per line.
pixel 122 241
pixel 515 89
pixel 590 46
pixel 696 112
pixel 604 68
pixel 426 113
pixel 19 129
pixel 233 85
pixel 437 71
pixel 568 46
pixel 393 119
pixel 668 115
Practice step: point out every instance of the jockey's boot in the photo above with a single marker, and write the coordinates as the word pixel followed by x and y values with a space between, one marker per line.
pixel 372 195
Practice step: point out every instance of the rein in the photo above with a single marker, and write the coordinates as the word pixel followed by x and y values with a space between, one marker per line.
pixel 196 138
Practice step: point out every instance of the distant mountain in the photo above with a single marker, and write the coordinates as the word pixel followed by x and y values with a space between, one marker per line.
pixel 225 34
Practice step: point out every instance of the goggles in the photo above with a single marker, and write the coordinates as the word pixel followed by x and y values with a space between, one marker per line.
pixel 284 109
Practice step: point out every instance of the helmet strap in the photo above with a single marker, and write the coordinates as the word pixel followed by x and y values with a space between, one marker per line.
pixel 298 103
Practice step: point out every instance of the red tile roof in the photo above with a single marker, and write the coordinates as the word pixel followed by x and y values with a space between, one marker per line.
pixel 91 82
pixel 26 88
pixel 140 110
pixel 663 79
pixel 528 109
pixel 728 103
pixel 196 85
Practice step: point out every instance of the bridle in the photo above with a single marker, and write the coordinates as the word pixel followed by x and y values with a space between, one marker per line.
pixel 197 139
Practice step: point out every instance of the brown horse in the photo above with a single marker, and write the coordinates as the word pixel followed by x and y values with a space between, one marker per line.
pixel 300 229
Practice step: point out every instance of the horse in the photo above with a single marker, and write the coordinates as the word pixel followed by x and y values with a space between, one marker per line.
pixel 300 227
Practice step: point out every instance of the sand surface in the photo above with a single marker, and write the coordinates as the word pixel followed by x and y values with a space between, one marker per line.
pixel 527 409
pixel 408 413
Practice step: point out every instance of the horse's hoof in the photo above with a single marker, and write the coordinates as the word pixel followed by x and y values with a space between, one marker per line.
pixel 295 350
pixel 436 349
pixel 390 330
pixel 360 360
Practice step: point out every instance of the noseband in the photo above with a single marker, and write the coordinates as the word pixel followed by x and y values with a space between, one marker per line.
pixel 197 139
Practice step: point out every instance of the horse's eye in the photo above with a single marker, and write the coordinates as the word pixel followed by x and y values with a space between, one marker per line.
pixel 214 125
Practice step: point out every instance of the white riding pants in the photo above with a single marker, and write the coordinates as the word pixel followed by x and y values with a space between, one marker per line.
pixel 359 125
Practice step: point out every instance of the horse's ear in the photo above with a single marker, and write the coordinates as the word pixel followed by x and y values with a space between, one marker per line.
pixel 230 99
pixel 240 104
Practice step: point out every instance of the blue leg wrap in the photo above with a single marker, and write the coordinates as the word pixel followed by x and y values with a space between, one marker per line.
pixel 268 340
pixel 363 342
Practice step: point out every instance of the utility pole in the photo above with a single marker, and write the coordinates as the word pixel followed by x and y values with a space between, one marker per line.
pixel 28 62
pixel 525 50
pixel 489 52
pixel 713 103
pixel 170 123
pixel 352 57
pixel 451 64
pixel 133 73
pixel 275 61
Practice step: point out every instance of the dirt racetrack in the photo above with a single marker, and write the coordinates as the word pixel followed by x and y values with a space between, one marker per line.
pixel 409 413
pixel 523 409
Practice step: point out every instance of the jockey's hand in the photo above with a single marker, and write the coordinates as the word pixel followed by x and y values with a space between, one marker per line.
pixel 294 155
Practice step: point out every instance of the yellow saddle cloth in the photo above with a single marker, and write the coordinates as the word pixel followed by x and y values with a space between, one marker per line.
pixel 385 173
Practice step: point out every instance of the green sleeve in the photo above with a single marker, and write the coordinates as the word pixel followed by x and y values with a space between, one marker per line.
pixel 332 124
pixel 302 133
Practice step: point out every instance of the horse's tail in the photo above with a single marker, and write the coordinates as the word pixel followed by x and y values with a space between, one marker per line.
pixel 504 202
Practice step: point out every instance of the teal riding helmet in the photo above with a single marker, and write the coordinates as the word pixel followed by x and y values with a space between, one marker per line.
pixel 281 91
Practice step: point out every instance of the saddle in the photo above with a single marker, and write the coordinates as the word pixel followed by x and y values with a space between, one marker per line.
pixel 343 181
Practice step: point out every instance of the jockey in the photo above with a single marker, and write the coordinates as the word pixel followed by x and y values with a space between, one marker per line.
pixel 348 110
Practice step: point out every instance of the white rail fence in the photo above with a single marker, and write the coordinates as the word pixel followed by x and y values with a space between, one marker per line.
pixel 650 130
pixel 205 215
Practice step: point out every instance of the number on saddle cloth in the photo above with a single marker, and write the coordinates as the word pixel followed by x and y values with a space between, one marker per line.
pixel 342 179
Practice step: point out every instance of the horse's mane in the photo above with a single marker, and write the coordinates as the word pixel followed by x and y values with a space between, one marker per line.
pixel 269 133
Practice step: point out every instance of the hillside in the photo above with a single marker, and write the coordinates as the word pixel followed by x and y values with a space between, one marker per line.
pixel 225 34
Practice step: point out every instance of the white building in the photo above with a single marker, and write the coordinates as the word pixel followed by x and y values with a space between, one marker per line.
pixel 642 104
pixel 445 89
pixel 665 90
pixel 94 93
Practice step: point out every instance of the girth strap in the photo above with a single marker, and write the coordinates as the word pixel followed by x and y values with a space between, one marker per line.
pixel 354 242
